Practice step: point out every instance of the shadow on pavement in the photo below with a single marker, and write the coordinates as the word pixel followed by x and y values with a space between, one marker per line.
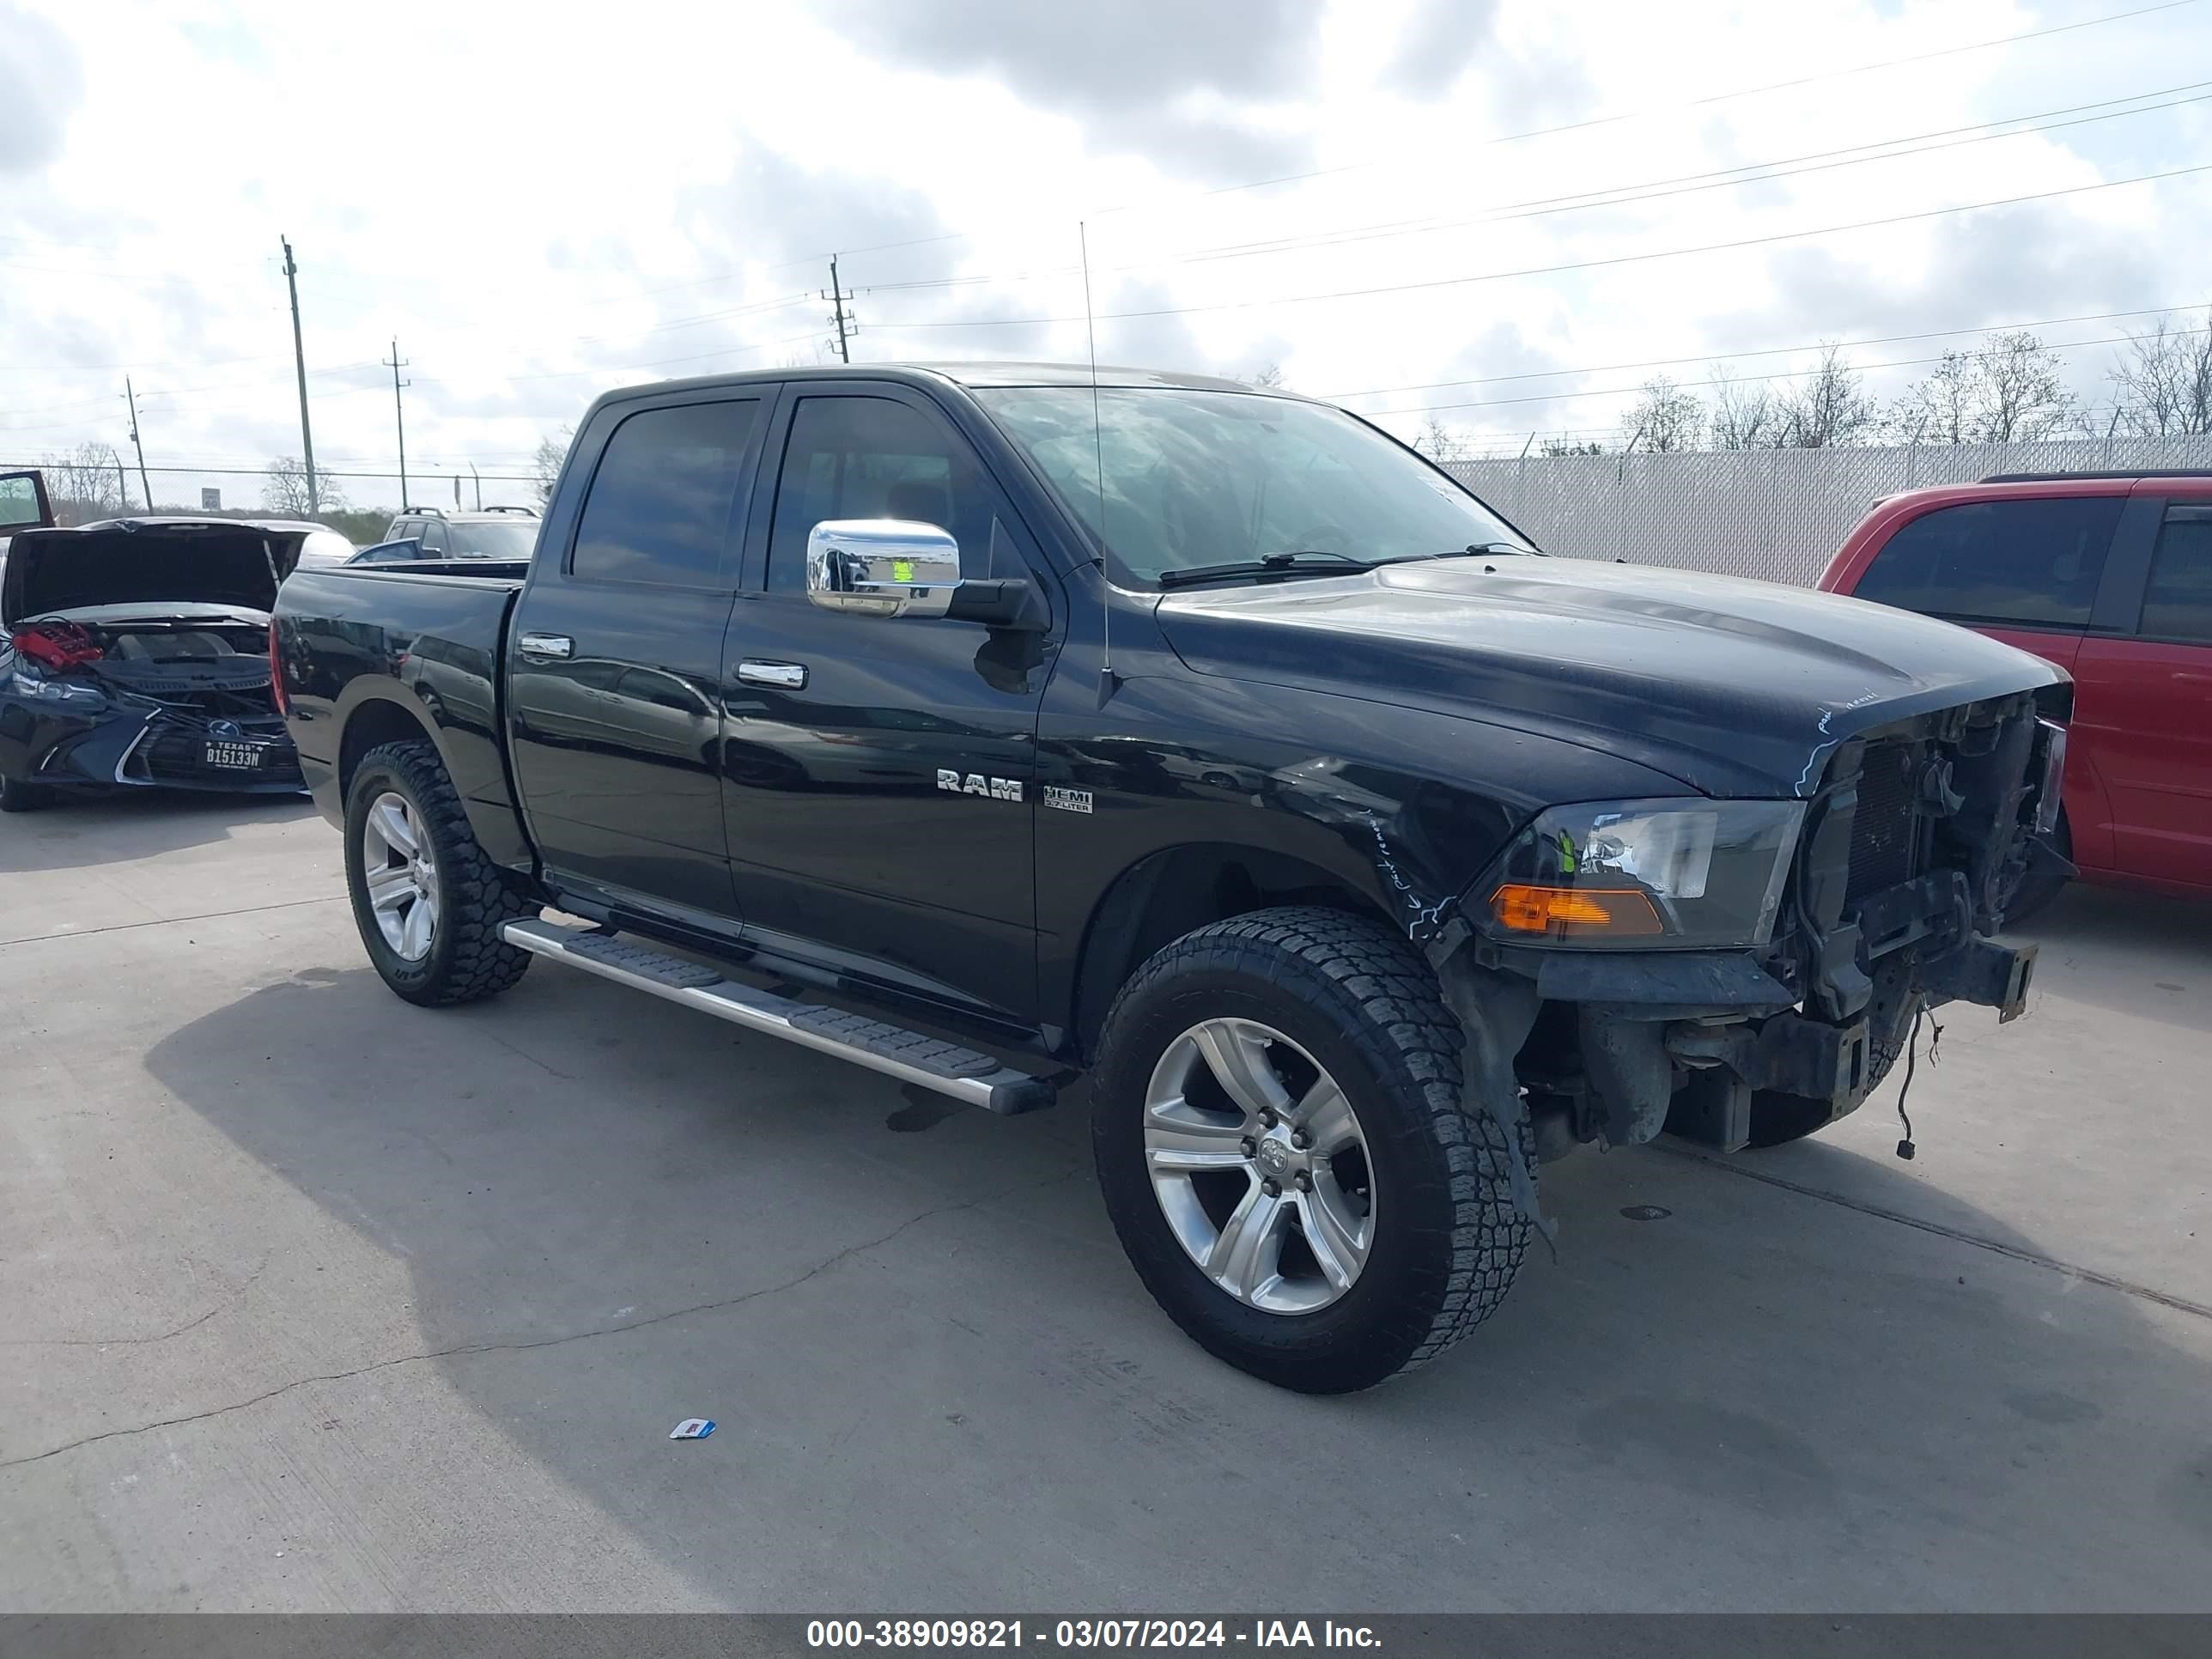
pixel 141 824
pixel 2128 953
pixel 937 1382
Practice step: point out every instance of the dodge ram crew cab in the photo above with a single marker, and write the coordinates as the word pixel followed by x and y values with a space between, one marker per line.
pixel 998 728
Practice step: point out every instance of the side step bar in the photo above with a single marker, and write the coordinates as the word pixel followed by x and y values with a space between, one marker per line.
pixel 966 1075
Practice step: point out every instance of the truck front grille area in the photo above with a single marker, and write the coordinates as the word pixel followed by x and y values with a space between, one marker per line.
pixel 1886 831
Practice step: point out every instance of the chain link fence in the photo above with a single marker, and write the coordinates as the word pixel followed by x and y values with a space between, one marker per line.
pixel 1776 513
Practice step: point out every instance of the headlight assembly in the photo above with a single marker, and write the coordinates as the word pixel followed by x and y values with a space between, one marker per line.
pixel 1668 874
pixel 37 685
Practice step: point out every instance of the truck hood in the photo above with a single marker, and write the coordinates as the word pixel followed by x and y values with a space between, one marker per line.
pixel 144 563
pixel 1737 688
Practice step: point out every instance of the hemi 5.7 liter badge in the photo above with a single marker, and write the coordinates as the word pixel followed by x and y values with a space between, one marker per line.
pixel 1067 801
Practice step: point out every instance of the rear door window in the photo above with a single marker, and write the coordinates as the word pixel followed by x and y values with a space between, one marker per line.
pixel 664 494
pixel 2178 599
pixel 2034 563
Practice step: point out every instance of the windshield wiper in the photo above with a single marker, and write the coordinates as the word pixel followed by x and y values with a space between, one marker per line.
pixel 1473 550
pixel 1268 564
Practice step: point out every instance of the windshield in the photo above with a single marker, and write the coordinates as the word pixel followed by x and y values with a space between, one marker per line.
pixel 494 538
pixel 1198 478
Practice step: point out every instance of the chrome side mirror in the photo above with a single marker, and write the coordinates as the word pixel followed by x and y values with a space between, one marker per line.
pixel 882 566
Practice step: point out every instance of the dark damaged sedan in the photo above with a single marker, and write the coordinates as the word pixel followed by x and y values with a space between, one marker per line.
pixel 136 653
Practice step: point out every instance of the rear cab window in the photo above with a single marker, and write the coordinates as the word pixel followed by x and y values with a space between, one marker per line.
pixel 2033 562
pixel 2178 598
pixel 661 499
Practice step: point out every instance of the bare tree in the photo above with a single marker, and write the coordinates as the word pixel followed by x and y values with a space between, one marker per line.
pixel 2163 386
pixel 1829 407
pixel 1744 416
pixel 284 490
pixel 545 465
pixel 2021 392
pixel 1268 377
pixel 1563 445
pixel 1664 418
pixel 1438 442
pixel 2008 390
pixel 1940 409
pixel 86 483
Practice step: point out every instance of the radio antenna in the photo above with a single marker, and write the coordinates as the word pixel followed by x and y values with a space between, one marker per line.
pixel 1107 682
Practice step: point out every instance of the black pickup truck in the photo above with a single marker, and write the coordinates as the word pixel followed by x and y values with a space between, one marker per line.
pixel 996 728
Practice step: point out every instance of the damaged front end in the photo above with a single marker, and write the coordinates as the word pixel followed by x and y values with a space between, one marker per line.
pixel 182 703
pixel 1881 905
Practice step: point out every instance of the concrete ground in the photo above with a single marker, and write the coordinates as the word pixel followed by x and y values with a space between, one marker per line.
pixel 314 1300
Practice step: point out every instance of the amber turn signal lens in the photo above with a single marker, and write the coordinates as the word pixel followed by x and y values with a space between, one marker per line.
pixel 1565 911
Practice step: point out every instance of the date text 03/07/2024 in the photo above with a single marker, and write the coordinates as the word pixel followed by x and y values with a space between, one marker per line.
pixel 1126 1633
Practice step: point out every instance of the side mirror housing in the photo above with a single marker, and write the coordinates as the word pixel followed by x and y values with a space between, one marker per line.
pixel 882 568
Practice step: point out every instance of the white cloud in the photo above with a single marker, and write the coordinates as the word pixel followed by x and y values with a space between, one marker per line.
pixel 539 202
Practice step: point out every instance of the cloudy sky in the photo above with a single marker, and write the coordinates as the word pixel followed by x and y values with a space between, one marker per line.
pixel 1507 208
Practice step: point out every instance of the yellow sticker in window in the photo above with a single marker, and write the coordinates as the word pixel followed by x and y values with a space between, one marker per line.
pixel 902 570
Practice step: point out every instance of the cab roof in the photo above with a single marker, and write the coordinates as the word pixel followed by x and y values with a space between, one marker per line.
pixel 971 376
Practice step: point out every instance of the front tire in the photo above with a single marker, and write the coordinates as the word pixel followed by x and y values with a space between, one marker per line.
pixel 1308 1051
pixel 428 901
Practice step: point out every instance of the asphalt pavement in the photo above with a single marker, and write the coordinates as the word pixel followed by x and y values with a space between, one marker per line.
pixel 310 1300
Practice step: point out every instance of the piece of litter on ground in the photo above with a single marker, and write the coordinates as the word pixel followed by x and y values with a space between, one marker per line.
pixel 693 1428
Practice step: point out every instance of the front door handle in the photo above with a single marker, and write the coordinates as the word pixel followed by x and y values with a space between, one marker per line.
pixel 546 647
pixel 783 676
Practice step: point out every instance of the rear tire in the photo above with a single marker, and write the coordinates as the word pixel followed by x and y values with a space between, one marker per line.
pixel 1338 1022
pixel 18 796
pixel 431 924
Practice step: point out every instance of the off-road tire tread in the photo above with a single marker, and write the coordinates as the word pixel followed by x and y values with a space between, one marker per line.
pixel 479 896
pixel 1400 1024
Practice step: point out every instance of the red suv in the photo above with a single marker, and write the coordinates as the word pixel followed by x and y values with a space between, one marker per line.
pixel 2110 576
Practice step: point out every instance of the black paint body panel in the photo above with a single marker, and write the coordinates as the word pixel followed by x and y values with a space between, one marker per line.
pixel 1381 734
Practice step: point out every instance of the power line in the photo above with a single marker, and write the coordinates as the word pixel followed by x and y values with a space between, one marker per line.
pixel 1777 374
pixel 1571 126
pixel 1570 265
pixel 1613 196
pixel 1764 351
pixel 1728 97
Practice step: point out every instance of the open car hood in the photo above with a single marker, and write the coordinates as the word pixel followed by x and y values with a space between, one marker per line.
pixel 144 562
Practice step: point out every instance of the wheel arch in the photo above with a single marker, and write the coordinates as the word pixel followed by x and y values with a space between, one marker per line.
pixel 372 723
pixel 378 716
pixel 1173 890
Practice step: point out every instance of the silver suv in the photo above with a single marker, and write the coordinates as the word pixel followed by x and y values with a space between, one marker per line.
pixel 494 532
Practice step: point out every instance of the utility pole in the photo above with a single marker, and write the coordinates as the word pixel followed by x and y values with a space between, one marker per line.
pixel 479 480
pixel 131 397
pixel 839 315
pixel 300 362
pixel 395 362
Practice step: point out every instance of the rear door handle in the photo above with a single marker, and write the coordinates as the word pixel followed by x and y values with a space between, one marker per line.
pixel 783 676
pixel 546 647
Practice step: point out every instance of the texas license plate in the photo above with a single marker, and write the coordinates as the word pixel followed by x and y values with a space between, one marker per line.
pixel 235 756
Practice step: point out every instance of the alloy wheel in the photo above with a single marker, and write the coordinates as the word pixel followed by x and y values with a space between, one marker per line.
pixel 1260 1165
pixel 401 873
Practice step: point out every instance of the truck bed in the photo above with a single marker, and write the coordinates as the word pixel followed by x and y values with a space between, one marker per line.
pixel 429 638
